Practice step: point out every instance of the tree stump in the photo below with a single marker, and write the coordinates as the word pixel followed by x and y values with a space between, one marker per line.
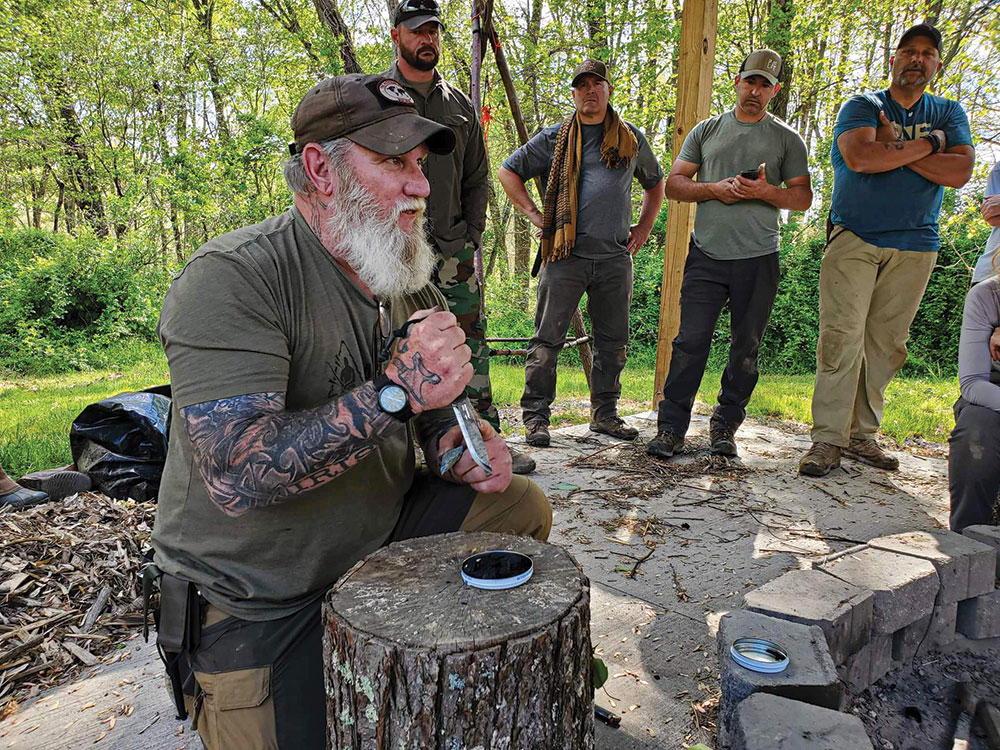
pixel 415 659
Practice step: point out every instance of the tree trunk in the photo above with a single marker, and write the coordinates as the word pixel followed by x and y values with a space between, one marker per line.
pixel 329 16
pixel 415 659
pixel 779 38
pixel 205 13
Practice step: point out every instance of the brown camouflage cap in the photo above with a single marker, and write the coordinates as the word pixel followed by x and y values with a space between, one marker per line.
pixel 762 62
pixel 372 111
pixel 591 67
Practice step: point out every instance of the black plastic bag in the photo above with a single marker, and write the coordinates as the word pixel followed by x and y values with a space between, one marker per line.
pixel 121 443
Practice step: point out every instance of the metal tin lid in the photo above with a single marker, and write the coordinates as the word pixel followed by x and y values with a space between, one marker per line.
pixel 759 655
pixel 496 569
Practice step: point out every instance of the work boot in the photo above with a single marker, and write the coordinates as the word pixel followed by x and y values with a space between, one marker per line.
pixel 57 483
pixel 521 463
pixel 820 460
pixel 22 497
pixel 723 442
pixel 665 444
pixel 536 433
pixel 867 451
pixel 615 427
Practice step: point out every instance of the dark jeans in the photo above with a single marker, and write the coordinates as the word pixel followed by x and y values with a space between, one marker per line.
pixel 973 464
pixel 749 285
pixel 561 284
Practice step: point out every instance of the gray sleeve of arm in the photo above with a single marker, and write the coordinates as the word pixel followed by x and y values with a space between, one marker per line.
pixel 533 158
pixel 978 322
pixel 796 161
pixel 647 168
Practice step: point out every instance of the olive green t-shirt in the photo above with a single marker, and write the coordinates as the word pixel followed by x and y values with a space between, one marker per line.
pixel 267 309
pixel 723 147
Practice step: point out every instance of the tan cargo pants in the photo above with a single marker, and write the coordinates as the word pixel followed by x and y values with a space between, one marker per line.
pixel 868 297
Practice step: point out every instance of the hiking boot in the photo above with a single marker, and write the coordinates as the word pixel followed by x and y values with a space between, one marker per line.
pixel 537 434
pixel 867 451
pixel 615 427
pixel 665 444
pixel 22 497
pixel 57 483
pixel 723 442
pixel 820 460
pixel 521 463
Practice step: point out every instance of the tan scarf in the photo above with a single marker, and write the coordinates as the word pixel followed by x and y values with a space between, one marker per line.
pixel 559 207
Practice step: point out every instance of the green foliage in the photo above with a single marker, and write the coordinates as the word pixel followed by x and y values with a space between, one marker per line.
pixel 67 304
pixel 600 671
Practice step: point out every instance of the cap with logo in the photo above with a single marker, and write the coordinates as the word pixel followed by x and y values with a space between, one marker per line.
pixel 762 62
pixel 591 67
pixel 415 13
pixel 921 29
pixel 372 111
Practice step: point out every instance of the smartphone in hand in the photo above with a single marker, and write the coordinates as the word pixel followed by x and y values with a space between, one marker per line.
pixel 749 174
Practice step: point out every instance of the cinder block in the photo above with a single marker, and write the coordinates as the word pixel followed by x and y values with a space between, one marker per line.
pixel 854 672
pixel 942 628
pixel 980 617
pixel 767 722
pixel 965 567
pixel 811 597
pixel 879 657
pixel 989 535
pixel 810 677
pixel 905 587
pixel 906 641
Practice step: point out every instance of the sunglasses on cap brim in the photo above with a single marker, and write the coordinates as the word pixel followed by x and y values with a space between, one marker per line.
pixel 414 6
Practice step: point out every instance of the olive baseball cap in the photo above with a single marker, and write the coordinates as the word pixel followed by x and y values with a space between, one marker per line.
pixel 415 13
pixel 372 111
pixel 762 62
pixel 921 29
pixel 591 67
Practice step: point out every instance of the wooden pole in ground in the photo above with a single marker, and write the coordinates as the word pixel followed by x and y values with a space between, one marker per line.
pixel 475 93
pixel 576 323
pixel 694 89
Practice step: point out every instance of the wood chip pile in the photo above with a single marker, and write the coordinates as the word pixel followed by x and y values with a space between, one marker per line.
pixel 69 592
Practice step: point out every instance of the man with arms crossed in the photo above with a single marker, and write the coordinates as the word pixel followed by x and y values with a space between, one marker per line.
pixel 893 153
pixel 589 161
pixel 741 158
pixel 290 455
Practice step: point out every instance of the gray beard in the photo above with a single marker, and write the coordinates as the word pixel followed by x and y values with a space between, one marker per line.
pixel 388 260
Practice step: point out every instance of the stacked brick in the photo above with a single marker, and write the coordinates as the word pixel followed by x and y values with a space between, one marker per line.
pixel 846 624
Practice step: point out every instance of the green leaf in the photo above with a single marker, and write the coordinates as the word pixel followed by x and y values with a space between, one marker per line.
pixel 699 746
pixel 565 486
pixel 600 671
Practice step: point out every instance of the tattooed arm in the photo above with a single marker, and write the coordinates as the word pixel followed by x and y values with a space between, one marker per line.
pixel 864 153
pixel 252 453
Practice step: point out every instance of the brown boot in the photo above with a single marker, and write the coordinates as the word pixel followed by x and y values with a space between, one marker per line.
pixel 520 463
pixel 867 451
pixel 536 433
pixel 820 460
pixel 615 427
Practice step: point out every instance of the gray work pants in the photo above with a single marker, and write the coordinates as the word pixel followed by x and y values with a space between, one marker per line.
pixel 561 284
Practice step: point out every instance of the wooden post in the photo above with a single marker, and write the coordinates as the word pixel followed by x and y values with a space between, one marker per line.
pixel 415 659
pixel 475 93
pixel 694 89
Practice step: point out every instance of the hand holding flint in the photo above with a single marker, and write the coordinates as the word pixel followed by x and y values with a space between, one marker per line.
pixel 433 362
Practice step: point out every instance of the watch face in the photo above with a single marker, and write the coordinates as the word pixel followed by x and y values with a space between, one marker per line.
pixel 392 399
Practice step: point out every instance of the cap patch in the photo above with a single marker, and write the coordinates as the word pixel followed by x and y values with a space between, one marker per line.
pixel 394 92
pixel 772 65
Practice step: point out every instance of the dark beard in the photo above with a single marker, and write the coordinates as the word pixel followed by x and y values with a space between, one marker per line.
pixel 418 62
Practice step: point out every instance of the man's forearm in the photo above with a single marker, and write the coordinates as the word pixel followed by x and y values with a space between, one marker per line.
pixel 879 156
pixel 949 169
pixel 652 199
pixel 684 189
pixel 252 453
pixel 517 192
pixel 794 198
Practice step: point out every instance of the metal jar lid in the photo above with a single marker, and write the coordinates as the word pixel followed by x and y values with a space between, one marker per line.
pixel 759 655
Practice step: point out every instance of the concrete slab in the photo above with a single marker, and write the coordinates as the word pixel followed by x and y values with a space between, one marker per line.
pixel 855 671
pixel 905 587
pixel 980 617
pixel 812 597
pixel 942 629
pixel 716 529
pixel 879 657
pixel 906 641
pixel 767 722
pixel 986 535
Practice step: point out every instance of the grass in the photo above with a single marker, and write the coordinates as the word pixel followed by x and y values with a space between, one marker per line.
pixel 36 413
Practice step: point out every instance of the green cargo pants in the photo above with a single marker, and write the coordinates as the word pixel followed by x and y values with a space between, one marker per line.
pixel 456 278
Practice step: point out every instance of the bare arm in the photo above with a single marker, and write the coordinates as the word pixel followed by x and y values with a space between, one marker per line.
pixel 681 187
pixel 518 194
pixel 863 153
pixel 991 210
pixel 951 168
pixel 652 199
pixel 796 196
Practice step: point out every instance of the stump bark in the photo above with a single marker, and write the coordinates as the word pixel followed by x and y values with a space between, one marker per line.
pixel 414 659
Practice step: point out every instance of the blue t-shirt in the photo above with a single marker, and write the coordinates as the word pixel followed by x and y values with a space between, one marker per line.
pixel 898 208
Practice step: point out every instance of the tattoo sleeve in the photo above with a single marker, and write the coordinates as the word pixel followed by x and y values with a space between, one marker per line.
pixel 253 454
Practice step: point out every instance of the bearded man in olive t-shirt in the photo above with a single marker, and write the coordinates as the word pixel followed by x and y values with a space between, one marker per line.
pixel 290 456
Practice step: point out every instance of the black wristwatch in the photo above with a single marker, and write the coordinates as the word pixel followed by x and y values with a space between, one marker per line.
pixel 393 399
pixel 934 140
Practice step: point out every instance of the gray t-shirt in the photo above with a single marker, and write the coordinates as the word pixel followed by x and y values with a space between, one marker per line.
pixel 723 147
pixel 978 374
pixel 267 309
pixel 605 200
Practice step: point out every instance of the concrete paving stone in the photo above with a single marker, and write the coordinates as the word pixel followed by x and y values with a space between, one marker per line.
pixel 768 722
pixel 980 617
pixel 942 628
pixel 986 535
pixel 905 587
pixel 854 672
pixel 906 641
pixel 811 597
pixel 965 567
pixel 810 677
pixel 879 657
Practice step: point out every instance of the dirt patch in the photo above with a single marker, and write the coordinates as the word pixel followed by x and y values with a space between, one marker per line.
pixel 916 707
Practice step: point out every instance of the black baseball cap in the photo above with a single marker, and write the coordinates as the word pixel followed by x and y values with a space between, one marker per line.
pixel 591 67
pixel 374 112
pixel 415 13
pixel 921 29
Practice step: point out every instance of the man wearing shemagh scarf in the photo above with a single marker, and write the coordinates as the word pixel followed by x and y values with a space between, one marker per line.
pixel 587 163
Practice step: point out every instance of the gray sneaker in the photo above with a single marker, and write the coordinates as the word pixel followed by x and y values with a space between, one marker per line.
pixel 521 463
pixel 869 452
pixel 57 483
pixel 820 460
pixel 615 427
pixel 665 444
pixel 536 433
